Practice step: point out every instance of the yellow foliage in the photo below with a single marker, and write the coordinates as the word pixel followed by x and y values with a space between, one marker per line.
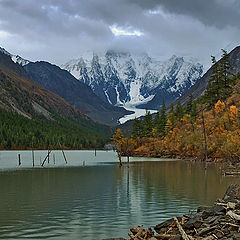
pixel 118 139
pixel 154 132
pixel 169 125
pixel 143 149
pixel 219 107
pixel 124 146
pixel 185 138
pixel 233 113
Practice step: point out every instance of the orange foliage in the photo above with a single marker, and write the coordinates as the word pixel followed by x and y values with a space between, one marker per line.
pixel 219 107
pixel 233 113
pixel 124 146
pixel 185 137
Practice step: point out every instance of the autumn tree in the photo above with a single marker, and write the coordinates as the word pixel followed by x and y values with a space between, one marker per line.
pixel 118 139
pixel 219 107
pixel 233 113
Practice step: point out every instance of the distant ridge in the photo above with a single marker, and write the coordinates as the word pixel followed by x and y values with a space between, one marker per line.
pixel 20 94
pixel 65 85
pixel 76 93
pixel 124 78
pixel 199 87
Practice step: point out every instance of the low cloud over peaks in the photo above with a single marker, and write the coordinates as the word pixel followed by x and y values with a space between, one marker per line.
pixel 60 30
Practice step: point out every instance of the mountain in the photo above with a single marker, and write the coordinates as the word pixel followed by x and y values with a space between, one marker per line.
pixel 199 87
pixel 41 108
pixel 122 78
pixel 15 58
pixel 26 97
pixel 75 92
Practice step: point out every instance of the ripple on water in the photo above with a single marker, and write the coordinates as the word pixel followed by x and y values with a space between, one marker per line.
pixel 102 201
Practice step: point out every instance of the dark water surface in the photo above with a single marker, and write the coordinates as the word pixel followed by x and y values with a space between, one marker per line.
pixel 99 200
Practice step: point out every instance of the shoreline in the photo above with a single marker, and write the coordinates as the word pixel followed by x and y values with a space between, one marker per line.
pixel 220 221
pixel 186 158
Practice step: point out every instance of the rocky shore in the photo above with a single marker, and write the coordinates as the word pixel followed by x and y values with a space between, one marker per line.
pixel 220 221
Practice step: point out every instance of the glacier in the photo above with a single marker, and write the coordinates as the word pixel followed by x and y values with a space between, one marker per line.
pixel 130 79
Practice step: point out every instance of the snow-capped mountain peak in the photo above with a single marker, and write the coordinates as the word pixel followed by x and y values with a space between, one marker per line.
pixel 4 51
pixel 21 61
pixel 15 58
pixel 123 78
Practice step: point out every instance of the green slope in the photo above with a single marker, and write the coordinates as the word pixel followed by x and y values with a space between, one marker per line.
pixel 19 132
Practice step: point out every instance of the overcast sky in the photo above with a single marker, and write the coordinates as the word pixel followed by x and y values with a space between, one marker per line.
pixel 59 30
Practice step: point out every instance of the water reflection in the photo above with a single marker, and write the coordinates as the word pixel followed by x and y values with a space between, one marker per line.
pixel 97 202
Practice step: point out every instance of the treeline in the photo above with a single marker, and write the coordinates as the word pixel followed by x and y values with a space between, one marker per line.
pixel 18 132
pixel 208 127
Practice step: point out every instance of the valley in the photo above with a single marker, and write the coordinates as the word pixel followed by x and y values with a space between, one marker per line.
pixel 138 112
pixel 115 87
pixel 120 120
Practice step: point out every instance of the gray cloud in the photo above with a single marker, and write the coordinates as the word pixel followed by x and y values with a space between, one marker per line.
pixel 219 13
pixel 58 30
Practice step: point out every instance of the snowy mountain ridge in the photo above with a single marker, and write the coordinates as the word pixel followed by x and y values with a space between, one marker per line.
pixel 122 78
pixel 15 58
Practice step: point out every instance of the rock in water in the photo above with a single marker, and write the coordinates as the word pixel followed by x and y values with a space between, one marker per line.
pixel 221 221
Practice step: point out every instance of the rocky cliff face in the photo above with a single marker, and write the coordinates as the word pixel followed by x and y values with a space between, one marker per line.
pixel 122 78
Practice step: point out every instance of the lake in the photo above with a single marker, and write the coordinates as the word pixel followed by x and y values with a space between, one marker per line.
pixel 92 198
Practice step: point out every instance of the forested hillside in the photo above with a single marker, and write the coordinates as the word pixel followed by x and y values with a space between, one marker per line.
pixel 19 132
pixel 34 117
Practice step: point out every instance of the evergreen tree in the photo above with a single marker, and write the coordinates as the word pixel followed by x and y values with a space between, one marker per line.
pixel 212 93
pixel 191 108
pixel 189 104
pixel 226 76
pixel 137 128
pixel 19 132
pixel 179 111
pixel 194 112
pixel 162 120
pixel 147 124
pixel 157 120
pixel 220 82
pixel 171 119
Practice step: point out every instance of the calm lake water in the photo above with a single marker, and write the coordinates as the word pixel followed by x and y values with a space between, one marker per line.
pixel 98 200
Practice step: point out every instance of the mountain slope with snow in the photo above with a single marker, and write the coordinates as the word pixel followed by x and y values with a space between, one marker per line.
pixel 62 83
pixel 15 58
pixel 122 78
pixel 75 92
